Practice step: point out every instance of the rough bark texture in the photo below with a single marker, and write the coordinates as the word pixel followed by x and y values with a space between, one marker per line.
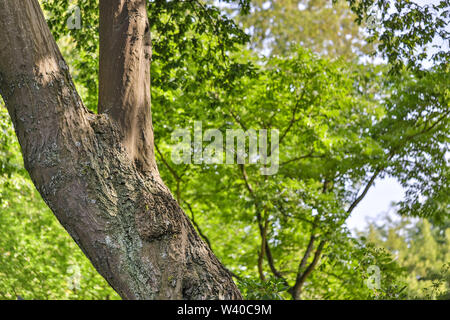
pixel 97 172
pixel 124 76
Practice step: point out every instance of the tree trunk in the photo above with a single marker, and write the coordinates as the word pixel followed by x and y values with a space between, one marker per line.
pixel 97 172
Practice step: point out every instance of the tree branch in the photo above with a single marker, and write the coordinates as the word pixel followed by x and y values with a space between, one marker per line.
pixel 124 76
pixel 301 277
pixel 366 189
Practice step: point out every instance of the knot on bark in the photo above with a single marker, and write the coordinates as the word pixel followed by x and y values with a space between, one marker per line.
pixel 158 216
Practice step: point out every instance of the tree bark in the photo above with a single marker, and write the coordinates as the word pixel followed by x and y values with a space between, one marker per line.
pixel 97 172
pixel 124 76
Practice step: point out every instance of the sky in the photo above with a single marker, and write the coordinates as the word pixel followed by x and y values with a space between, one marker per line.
pixel 378 200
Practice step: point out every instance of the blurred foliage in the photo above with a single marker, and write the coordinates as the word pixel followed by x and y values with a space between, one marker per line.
pixel 422 248
pixel 342 125
pixel 326 28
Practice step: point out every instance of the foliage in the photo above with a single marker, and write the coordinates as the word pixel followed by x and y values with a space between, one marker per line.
pixel 336 140
pixel 325 28
pixel 422 248
pixel 407 31
pixel 254 289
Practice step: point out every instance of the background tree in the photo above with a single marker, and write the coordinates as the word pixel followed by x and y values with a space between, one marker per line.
pixel 320 25
pixel 421 248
